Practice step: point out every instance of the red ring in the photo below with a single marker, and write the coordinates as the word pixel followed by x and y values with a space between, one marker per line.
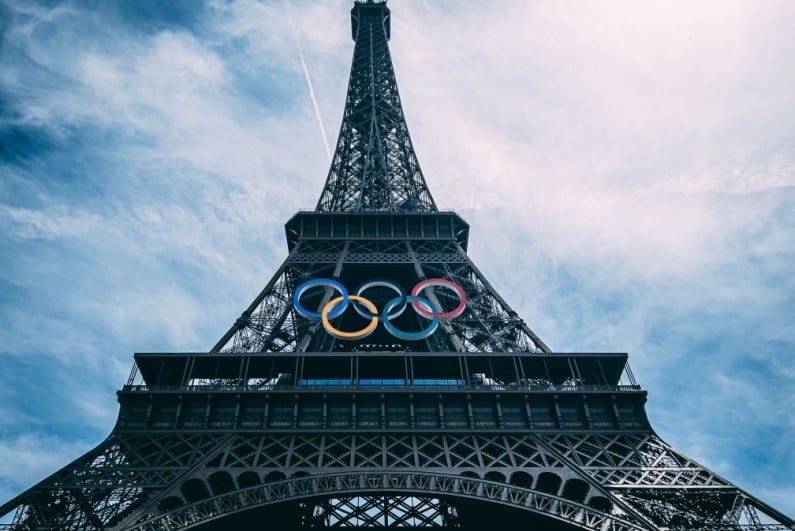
pixel 458 310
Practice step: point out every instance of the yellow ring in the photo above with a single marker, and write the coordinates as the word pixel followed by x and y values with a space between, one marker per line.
pixel 358 334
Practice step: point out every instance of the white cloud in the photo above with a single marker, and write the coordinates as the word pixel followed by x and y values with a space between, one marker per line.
pixel 25 223
pixel 582 114
pixel 35 456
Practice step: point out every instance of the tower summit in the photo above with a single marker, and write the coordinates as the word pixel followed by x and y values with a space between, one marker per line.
pixel 379 380
pixel 374 168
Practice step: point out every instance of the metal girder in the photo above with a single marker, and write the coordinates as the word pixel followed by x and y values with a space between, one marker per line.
pixel 632 459
pixel 382 511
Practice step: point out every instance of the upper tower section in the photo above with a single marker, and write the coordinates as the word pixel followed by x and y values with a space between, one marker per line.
pixel 370 8
pixel 374 168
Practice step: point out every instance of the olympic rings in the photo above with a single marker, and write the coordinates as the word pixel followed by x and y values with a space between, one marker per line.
pixel 359 334
pixel 410 336
pixel 424 307
pixel 441 282
pixel 328 282
pixel 383 283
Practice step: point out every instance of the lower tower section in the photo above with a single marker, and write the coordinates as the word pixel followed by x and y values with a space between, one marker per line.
pixel 379 381
pixel 446 439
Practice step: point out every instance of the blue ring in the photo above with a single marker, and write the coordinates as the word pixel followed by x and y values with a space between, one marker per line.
pixel 384 283
pixel 409 336
pixel 328 282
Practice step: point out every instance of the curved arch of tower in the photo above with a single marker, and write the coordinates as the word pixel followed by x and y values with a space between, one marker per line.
pixel 379 380
pixel 391 498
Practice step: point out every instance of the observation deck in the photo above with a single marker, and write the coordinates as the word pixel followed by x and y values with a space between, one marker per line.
pixel 382 391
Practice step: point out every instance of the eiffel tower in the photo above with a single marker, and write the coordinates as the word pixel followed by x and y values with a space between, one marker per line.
pixel 379 380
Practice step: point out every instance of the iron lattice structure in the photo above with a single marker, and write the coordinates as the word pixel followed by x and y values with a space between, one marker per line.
pixel 284 426
pixel 374 168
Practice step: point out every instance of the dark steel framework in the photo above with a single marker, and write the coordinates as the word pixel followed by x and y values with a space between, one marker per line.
pixel 282 426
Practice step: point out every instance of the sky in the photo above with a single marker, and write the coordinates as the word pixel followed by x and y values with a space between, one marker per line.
pixel 627 169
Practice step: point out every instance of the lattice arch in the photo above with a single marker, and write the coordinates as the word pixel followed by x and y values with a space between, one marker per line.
pixel 401 485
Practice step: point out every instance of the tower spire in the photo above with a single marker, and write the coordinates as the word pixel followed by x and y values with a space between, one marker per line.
pixel 374 168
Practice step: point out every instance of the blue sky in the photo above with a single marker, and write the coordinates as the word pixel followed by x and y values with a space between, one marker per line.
pixel 628 170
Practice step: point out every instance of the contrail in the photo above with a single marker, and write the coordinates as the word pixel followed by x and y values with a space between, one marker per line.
pixel 314 104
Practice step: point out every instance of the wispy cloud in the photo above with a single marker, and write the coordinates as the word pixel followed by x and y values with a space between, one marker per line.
pixel 36 456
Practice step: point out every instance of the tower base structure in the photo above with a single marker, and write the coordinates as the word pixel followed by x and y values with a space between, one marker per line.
pixel 400 440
